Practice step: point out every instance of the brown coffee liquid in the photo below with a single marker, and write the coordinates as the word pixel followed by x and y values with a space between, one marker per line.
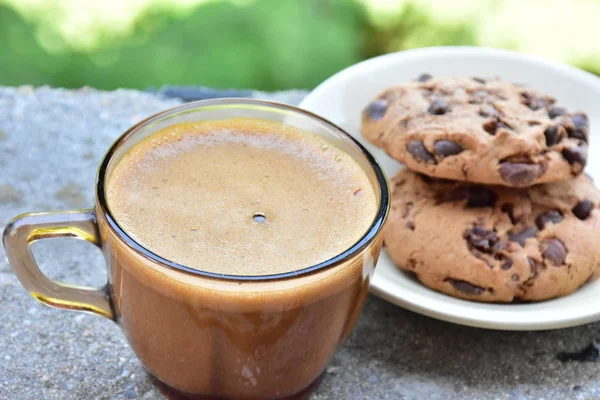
pixel 241 197
pixel 244 197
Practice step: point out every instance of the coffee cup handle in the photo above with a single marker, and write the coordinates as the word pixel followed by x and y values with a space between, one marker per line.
pixel 25 229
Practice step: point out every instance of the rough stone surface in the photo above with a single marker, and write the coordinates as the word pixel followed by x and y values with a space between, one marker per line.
pixel 51 142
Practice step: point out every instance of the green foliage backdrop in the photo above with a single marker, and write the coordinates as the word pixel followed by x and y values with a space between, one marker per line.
pixel 262 44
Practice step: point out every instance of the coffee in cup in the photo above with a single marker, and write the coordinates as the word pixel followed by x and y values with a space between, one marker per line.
pixel 240 237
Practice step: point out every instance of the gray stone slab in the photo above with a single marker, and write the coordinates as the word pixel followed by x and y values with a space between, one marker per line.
pixel 51 142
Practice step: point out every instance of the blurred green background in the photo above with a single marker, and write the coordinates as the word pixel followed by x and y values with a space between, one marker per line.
pixel 267 44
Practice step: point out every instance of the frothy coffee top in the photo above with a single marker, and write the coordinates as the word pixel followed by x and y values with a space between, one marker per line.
pixel 241 197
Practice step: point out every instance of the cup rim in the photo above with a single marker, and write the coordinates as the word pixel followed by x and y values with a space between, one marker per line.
pixel 370 234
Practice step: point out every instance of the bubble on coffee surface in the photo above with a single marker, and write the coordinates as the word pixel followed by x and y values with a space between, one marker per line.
pixel 259 217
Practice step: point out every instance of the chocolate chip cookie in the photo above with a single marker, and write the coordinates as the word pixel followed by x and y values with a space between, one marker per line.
pixel 478 130
pixel 494 243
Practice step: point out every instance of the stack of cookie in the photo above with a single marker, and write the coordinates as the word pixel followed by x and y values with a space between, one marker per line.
pixel 493 205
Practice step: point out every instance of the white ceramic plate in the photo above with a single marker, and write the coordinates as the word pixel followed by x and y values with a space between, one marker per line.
pixel 341 99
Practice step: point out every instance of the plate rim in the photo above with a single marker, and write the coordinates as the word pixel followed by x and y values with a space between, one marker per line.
pixel 491 323
pixel 381 289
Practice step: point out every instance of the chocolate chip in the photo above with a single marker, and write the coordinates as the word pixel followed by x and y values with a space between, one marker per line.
pixel 449 196
pixel 507 265
pixel 376 110
pixel 533 123
pixel 489 111
pixel 445 148
pixel 533 267
pixel 580 121
pixel 520 237
pixel 556 111
pixel 410 225
pixel 424 77
pixel 438 107
pixel 509 209
pixel 494 125
pixel 535 102
pixel 481 196
pixel 477 79
pixel 575 155
pixel 515 277
pixel 481 239
pixel 519 174
pixel 579 129
pixel 580 134
pixel 502 125
pixel 553 216
pixel 490 126
pixel 583 209
pixel 426 178
pixel 417 149
pixel 500 246
pixel 555 251
pixel 553 135
pixel 465 287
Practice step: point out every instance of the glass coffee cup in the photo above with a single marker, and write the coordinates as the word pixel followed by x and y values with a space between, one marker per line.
pixel 201 334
